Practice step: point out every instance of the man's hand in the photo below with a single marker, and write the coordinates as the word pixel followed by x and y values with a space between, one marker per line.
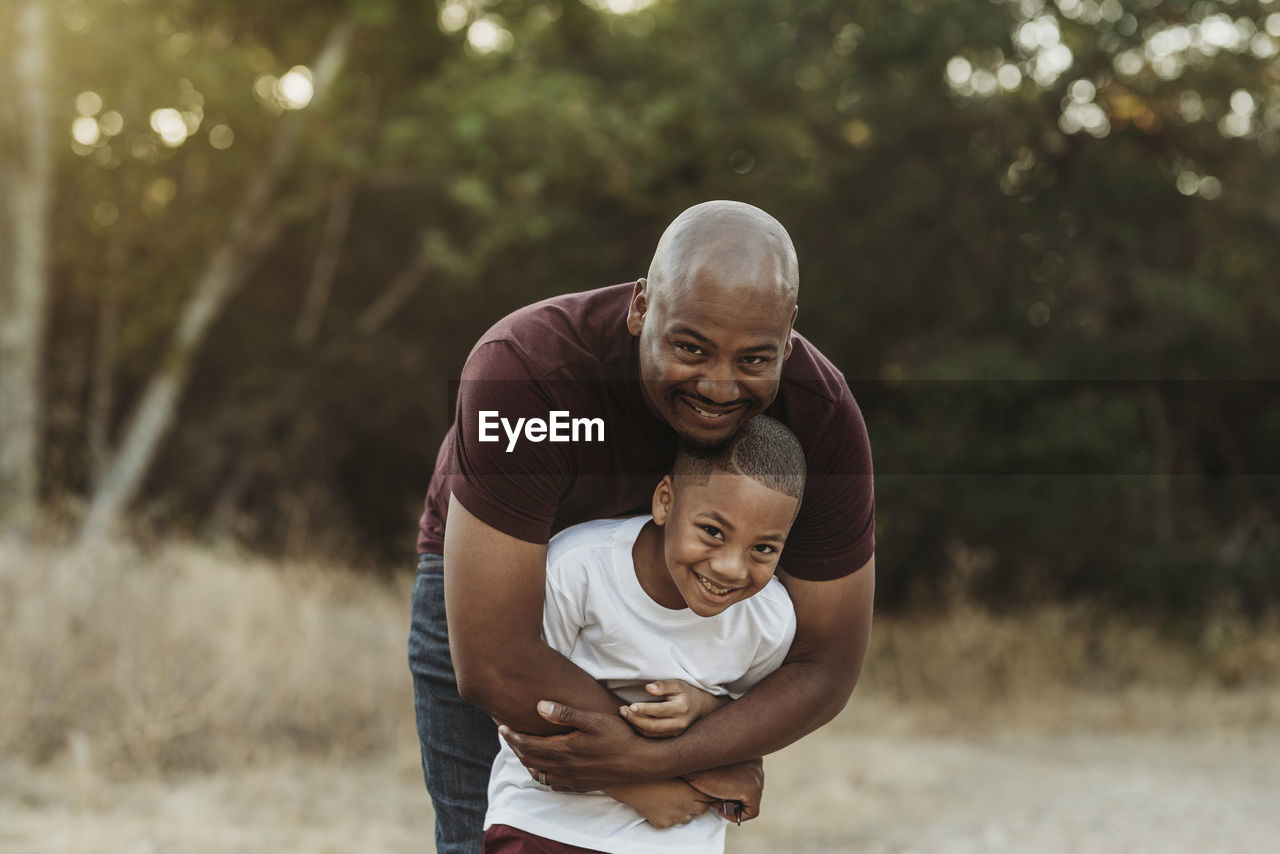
pixel 743 782
pixel 681 705
pixel 664 804
pixel 599 751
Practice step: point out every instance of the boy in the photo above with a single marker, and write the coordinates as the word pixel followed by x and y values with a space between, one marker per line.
pixel 687 597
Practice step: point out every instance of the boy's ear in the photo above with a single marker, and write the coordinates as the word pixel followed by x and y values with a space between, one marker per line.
pixel 662 499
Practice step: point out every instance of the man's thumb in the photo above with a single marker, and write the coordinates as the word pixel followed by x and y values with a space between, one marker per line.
pixel 559 713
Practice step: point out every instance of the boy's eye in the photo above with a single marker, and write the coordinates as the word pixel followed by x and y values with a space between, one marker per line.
pixel 766 549
pixel 713 531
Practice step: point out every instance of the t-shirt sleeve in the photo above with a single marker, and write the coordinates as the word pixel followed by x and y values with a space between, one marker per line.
pixel 512 485
pixel 563 613
pixel 774 629
pixel 834 535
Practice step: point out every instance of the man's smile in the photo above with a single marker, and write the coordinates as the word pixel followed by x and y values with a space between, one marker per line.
pixel 711 410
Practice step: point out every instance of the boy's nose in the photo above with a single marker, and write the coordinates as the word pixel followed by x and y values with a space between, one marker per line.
pixel 730 570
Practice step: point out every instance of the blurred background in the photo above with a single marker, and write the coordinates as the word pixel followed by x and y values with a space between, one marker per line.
pixel 245 247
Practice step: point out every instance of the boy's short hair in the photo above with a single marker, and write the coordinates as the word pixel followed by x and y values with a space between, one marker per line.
pixel 764 449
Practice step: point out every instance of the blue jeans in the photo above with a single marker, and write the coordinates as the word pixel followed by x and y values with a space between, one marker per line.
pixel 458 740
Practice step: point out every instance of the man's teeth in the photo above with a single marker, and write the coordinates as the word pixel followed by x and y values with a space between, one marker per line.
pixel 704 413
pixel 719 591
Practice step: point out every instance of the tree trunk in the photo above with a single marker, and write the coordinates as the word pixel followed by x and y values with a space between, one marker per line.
pixel 254 229
pixel 24 284
pixel 395 295
pixel 326 266
pixel 102 385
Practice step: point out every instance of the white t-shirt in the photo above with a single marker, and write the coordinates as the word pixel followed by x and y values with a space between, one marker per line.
pixel 599 616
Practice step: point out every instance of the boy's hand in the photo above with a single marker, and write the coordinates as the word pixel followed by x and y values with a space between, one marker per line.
pixel 665 804
pixel 680 706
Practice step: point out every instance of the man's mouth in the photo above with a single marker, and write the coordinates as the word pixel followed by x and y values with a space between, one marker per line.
pixel 717 412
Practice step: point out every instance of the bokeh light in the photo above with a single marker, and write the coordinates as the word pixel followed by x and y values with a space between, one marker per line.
pixel 265 87
pixel 487 35
pixel 221 137
pixel 1191 184
pixel 620 7
pixel 1081 113
pixel 1239 121
pixel 169 124
pixel 455 15
pixel 295 89
pixel 1209 187
pixel 959 70
pixel 85 130
pixel 88 103
pixel 1009 76
pixel 111 122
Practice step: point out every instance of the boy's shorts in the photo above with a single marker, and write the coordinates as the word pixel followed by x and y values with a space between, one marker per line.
pixel 503 839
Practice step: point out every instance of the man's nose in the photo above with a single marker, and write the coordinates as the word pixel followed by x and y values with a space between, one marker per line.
pixel 719 385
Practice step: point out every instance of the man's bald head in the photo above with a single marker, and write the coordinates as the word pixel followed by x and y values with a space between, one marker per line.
pixel 714 319
pixel 737 245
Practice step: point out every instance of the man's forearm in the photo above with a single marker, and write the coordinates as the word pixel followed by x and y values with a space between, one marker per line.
pixel 509 687
pixel 494 597
pixel 785 706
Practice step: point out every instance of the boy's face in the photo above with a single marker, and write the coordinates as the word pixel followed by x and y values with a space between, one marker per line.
pixel 721 540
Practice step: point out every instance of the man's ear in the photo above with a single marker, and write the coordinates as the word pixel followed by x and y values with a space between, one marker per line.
pixel 786 351
pixel 639 305
pixel 663 497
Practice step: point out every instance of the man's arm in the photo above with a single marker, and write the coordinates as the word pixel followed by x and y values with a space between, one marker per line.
pixel 494 589
pixel 833 628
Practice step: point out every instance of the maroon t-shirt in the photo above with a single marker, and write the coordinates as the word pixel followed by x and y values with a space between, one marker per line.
pixel 571 364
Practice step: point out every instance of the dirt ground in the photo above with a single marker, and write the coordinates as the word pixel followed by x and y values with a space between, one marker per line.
pixel 876 780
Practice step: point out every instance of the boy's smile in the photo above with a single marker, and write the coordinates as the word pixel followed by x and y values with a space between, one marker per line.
pixel 717 542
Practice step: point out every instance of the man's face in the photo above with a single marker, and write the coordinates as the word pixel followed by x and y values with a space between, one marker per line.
pixel 722 539
pixel 711 352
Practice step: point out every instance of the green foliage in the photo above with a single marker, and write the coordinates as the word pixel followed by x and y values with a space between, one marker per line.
pixel 998 284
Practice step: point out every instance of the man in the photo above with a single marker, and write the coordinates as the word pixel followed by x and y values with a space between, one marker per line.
pixel 693 352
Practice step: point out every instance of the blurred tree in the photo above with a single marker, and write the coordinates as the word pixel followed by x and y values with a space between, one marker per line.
pixel 26 176
pixel 1037 236
pixel 254 227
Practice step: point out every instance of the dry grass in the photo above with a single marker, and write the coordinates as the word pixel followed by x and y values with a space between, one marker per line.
pixel 1062 669
pixel 180 700
pixel 183 660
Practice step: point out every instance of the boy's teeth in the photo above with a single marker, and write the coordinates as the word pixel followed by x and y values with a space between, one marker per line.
pixel 719 591
pixel 708 414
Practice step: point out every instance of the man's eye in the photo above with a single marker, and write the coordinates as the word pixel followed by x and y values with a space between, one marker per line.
pixel 691 349
pixel 713 531
pixel 756 361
